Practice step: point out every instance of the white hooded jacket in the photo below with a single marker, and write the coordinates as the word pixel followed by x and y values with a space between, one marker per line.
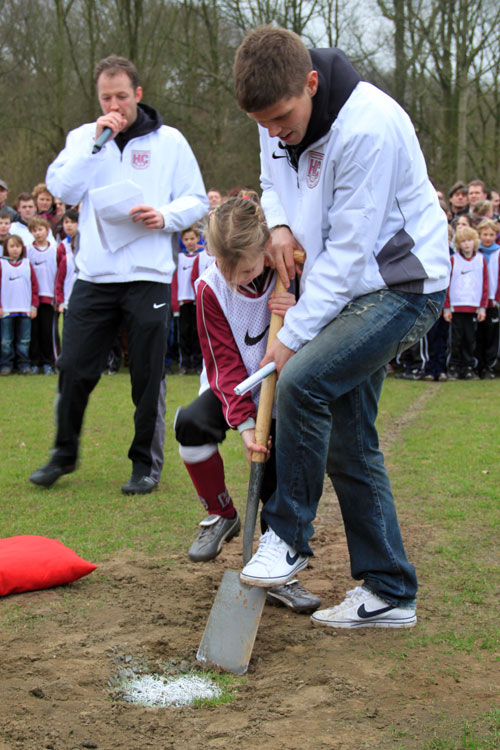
pixel 162 164
pixel 362 206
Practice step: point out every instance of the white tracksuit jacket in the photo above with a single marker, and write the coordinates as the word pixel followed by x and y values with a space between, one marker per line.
pixel 163 165
pixel 362 207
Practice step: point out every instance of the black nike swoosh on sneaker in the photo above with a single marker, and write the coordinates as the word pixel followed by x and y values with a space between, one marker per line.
pixel 292 560
pixel 252 340
pixel 364 614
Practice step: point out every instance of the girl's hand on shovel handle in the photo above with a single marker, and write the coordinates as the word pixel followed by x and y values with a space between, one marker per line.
pixel 248 437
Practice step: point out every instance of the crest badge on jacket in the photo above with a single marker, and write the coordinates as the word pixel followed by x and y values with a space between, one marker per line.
pixel 314 168
pixel 141 159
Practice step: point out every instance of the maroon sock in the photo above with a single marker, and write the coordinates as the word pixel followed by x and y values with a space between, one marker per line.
pixel 209 481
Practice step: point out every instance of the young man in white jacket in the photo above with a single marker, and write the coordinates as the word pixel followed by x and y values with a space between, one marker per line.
pixel 343 176
pixel 130 284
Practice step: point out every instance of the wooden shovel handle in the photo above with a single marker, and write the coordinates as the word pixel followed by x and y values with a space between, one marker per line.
pixel 265 410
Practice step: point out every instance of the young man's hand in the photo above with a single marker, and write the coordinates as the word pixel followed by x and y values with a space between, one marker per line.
pixel 150 217
pixel 481 315
pixel 278 353
pixel 447 315
pixel 282 246
pixel 33 313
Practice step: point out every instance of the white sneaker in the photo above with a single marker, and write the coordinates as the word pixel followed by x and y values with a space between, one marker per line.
pixel 362 609
pixel 275 562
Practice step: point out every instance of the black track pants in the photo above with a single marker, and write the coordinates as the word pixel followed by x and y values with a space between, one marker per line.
pixel 93 319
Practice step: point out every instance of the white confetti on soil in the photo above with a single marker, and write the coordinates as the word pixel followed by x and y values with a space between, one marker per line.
pixel 152 690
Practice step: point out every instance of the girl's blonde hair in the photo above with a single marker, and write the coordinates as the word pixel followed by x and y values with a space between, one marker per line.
pixel 19 242
pixel 236 231
pixel 466 233
pixel 488 224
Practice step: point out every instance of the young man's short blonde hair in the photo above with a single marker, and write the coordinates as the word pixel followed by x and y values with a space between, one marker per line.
pixel 271 64
pixel 466 233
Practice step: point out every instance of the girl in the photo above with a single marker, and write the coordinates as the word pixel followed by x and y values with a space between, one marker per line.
pixel 465 303
pixel 65 259
pixel 234 302
pixel 18 305
pixel 43 254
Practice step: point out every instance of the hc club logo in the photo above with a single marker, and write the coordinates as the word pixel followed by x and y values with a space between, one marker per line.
pixel 314 169
pixel 141 159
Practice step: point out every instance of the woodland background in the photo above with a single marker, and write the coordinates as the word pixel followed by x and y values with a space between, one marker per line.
pixel 439 58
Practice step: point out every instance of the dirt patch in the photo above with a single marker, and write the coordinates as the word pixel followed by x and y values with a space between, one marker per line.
pixel 306 687
pixel 333 689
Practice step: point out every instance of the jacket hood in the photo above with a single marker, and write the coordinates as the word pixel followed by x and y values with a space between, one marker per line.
pixel 148 119
pixel 337 79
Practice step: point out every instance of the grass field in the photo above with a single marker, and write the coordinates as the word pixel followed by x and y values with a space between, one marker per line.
pixel 442 444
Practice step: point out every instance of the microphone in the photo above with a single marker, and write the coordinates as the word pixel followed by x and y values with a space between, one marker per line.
pixel 103 138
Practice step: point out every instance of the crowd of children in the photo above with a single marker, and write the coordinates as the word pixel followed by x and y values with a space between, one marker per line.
pixel 37 271
pixel 464 342
pixel 41 264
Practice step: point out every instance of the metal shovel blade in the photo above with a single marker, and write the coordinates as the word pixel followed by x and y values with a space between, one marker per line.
pixel 232 626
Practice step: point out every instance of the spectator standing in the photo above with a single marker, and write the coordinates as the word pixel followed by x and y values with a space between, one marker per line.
pixel 4 193
pixel 66 265
pixel 18 305
pixel 5 224
pixel 476 192
pixel 465 303
pixel 26 210
pixel 458 201
pixel 214 198
pixel 189 343
pixel 488 331
pixel 42 253
pixel 130 285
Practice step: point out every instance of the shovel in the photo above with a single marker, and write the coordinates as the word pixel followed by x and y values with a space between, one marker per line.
pixel 235 616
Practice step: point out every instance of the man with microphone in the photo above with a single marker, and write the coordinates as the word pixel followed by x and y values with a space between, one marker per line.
pixel 130 284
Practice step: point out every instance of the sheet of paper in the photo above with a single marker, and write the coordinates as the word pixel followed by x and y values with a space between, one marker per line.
pixel 254 380
pixel 111 205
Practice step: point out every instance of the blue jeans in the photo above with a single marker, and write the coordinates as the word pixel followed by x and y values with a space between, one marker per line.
pixel 327 400
pixel 16 334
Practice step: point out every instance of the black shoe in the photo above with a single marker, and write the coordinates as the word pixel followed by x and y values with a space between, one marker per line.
pixel 470 374
pixel 293 595
pixel 46 475
pixel 215 530
pixel 409 375
pixel 139 485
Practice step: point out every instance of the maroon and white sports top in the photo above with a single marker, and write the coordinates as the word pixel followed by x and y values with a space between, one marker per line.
pixel 467 279
pixel 185 289
pixel 494 274
pixel 16 294
pixel 45 265
pixel 248 318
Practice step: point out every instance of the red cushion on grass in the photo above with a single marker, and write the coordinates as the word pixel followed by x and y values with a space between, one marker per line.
pixel 35 562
